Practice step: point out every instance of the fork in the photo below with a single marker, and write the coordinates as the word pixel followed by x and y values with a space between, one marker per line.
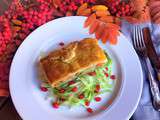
pixel 139 45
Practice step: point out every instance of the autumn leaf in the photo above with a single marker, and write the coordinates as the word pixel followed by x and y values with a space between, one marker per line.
pixel 105 35
pixel 56 3
pixel 57 13
pixel 89 20
pixel 107 19
pixel 138 5
pixel 69 13
pixel 100 31
pixel 113 26
pixel 94 26
pixel 141 11
pixel 112 39
pixel 82 8
pixel 86 12
pixel 99 8
pixel 106 28
pixel 131 19
pixel 117 21
pixel 102 13
pixel 154 11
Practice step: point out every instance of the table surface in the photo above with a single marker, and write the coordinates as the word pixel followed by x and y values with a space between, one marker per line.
pixel 7 109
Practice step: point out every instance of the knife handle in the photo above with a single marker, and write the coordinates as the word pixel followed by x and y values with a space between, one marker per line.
pixel 153 86
pixel 158 74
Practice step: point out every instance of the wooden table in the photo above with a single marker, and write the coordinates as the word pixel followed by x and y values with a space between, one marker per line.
pixel 7 109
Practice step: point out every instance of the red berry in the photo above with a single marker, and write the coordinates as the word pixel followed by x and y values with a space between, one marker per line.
pixel 97 99
pixel 92 73
pixel 117 2
pixel 106 74
pixel 61 99
pixel 55 105
pixel 118 15
pixel 75 89
pixel 81 96
pixel 18 42
pixel 87 103
pixel 122 8
pixel 123 3
pixel 107 68
pixel 61 90
pixel 81 1
pixel 43 89
pixel 89 110
pixel 71 82
pixel 98 87
pixel 127 6
pixel 113 77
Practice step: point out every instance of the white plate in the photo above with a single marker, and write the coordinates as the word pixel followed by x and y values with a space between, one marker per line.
pixel 30 102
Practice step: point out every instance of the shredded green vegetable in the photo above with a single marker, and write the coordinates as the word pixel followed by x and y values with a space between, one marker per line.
pixel 85 84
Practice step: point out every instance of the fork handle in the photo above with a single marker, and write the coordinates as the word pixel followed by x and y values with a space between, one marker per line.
pixel 153 86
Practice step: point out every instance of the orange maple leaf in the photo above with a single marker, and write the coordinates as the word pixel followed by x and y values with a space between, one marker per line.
pixel 89 20
pixel 103 30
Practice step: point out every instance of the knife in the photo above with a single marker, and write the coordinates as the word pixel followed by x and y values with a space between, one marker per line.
pixel 151 51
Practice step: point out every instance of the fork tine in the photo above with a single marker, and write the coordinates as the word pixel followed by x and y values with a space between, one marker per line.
pixel 136 37
pixel 142 39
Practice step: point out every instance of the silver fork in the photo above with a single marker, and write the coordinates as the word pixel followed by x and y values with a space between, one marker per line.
pixel 139 45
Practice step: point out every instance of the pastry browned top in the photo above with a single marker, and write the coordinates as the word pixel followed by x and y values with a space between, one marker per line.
pixel 61 65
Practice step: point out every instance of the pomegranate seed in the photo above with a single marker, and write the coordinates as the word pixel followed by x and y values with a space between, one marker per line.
pixel 81 96
pixel 71 82
pixel 89 110
pixel 113 77
pixel 106 74
pixel 97 87
pixel 55 105
pixel 92 73
pixel 43 89
pixel 62 99
pixel 107 68
pixel 87 103
pixel 62 90
pixel 75 89
pixel 97 99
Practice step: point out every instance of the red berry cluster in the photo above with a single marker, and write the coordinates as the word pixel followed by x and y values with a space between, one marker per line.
pixel 31 18
pixel 119 8
pixel 5 34
pixel 72 5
